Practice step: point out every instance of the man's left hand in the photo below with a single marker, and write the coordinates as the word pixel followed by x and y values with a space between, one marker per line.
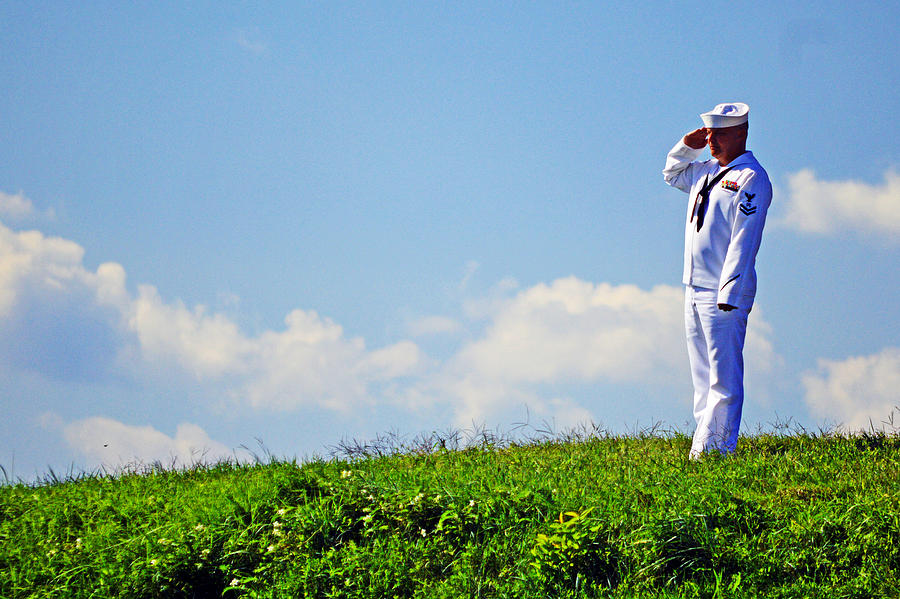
pixel 726 307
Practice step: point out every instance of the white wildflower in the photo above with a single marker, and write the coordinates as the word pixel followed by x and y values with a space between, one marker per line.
pixel 281 512
pixel 422 532
pixel 471 503
pixel 346 473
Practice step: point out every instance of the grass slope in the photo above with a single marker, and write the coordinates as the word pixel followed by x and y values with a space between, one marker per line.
pixel 787 516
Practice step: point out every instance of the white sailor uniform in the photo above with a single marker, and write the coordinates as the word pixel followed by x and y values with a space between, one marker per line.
pixel 722 237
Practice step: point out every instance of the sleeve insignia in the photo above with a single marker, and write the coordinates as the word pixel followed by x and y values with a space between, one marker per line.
pixel 747 209
pixel 730 185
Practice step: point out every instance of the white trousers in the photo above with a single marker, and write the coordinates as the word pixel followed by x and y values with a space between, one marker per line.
pixel 715 342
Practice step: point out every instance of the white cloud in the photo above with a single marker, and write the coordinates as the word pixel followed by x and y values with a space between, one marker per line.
pixel 15 206
pixel 471 268
pixel 495 300
pixel 816 206
pixel 572 333
pixel 18 207
pixel 540 347
pixel 856 391
pixel 30 255
pixel 573 329
pixel 433 325
pixel 250 40
pixel 114 444
pixel 762 363
pixel 58 318
pixel 312 362
pixel 397 360
pixel 207 345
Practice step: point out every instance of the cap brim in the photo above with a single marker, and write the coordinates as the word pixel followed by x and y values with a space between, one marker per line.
pixel 718 121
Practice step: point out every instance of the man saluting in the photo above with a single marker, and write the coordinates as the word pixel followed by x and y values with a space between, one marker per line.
pixel 728 199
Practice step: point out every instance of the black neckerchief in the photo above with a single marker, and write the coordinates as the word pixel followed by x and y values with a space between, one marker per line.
pixel 702 199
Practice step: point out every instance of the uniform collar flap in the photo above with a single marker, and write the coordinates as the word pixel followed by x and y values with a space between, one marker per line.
pixel 745 158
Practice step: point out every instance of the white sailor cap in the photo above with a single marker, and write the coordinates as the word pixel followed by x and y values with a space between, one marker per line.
pixel 726 115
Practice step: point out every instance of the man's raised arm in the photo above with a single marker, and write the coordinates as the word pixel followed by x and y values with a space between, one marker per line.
pixel 677 172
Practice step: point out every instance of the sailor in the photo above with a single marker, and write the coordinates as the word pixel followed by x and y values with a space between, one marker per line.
pixel 728 199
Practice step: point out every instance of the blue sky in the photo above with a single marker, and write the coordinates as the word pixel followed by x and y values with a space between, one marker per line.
pixel 303 222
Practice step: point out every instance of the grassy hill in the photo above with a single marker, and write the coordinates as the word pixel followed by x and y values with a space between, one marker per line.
pixel 801 515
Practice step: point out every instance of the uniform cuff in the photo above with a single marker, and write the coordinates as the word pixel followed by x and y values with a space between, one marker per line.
pixel 732 299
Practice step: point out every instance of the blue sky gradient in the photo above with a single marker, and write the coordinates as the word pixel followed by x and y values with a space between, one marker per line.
pixel 309 221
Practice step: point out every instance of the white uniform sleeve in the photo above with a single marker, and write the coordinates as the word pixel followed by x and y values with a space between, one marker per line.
pixel 680 165
pixel 750 208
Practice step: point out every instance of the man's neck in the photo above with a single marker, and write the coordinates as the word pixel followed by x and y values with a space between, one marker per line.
pixel 726 160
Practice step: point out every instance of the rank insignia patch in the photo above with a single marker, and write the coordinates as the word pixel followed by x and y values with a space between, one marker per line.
pixel 731 185
pixel 747 209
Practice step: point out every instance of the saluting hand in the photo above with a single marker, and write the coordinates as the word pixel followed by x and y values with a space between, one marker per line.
pixel 697 138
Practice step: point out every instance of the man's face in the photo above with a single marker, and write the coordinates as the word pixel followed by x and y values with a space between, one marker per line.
pixel 727 143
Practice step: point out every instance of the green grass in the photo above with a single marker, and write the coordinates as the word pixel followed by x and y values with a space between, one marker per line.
pixel 799 515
